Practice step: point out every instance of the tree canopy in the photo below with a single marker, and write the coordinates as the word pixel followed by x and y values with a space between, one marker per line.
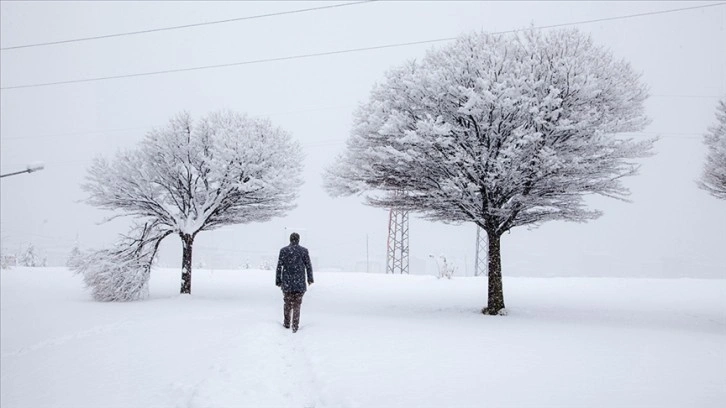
pixel 189 177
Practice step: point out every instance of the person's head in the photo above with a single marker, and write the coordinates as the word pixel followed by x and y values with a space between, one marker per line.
pixel 294 238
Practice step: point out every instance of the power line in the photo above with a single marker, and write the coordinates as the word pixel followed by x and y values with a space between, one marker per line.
pixel 649 13
pixel 687 96
pixel 259 61
pixel 178 27
pixel 345 51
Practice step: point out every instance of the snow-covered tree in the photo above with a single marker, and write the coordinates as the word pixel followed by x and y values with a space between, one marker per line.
pixel 192 176
pixel 498 130
pixel 30 257
pixel 73 256
pixel 713 178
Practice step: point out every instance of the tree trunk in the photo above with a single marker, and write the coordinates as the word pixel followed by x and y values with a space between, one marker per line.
pixel 495 303
pixel 186 283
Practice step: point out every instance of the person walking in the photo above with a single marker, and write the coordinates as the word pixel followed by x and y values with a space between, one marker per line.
pixel 293 266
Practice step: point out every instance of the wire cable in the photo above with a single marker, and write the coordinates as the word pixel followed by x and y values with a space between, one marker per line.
pixel 232 64
pixel 648 13
pixel 346 51
pixel 178 27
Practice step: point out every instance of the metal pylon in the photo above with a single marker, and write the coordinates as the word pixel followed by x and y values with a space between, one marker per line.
pixel 481 258
pixel 397 254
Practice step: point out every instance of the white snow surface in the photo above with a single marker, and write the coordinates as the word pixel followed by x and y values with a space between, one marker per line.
pixel 366 340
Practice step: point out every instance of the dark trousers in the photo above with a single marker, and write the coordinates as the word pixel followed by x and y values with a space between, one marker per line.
pixel 293 300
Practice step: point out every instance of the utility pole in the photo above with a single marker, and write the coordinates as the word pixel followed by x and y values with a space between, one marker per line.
pixel 31 168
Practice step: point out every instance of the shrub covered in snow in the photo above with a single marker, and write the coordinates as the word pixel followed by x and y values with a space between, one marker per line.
pixel 114 277
pixel 7 261
pixel 122 272
pixel 713 179
pixel 73 256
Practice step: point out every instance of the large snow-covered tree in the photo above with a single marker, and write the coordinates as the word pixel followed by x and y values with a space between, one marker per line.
pixel 192 176
pixel 498 130
pixel 713 178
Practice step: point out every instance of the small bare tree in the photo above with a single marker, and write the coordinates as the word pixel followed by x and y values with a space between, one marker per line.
pixel 445 270
pixel 713 178
pixel 189 177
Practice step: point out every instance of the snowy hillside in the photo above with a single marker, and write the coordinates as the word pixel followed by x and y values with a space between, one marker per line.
pixel 365 341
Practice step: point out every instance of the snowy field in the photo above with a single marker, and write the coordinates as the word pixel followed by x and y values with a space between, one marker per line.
pixel 365 341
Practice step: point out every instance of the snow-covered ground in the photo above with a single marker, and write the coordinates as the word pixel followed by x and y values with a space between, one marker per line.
pixel 366 340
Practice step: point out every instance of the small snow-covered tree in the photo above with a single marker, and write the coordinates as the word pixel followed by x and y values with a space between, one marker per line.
pixel 73 256
pixel 498 130
pixel 713 178
pixel 189 177
pixel 30 257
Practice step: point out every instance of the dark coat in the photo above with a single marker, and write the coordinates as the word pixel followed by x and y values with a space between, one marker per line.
pixel 292 265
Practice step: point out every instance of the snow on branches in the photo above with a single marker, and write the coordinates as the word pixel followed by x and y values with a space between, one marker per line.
pixel 502 131
pixel 498 130
pixel 193 176
pixel 713 179
pixel 225 169
pixel 120 273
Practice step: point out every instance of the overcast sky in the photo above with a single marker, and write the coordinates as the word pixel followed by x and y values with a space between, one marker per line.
pixel 671 228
